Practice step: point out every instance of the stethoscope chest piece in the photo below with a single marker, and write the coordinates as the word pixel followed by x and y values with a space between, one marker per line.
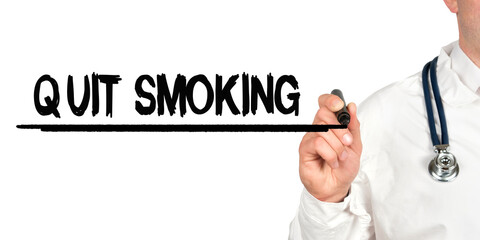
pixel 444 166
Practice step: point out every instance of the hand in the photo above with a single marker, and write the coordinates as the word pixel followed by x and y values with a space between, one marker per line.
pixel 329 161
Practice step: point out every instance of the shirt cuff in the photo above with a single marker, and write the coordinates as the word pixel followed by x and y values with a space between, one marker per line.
pixel 325 213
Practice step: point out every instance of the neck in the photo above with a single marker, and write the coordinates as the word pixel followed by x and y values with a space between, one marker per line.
pixel 472 50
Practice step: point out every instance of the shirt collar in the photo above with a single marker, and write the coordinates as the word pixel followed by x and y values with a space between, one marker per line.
pixel 458 82
pixel 467 71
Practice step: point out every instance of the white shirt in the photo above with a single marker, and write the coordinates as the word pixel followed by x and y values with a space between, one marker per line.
pixel 393 195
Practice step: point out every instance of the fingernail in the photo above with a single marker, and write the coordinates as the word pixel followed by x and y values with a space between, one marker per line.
pixel 347 139
pixel 335 165
pixel 344 155
pixel 337 104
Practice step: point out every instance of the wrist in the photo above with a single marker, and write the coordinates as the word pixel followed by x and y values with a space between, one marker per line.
pixel 335 198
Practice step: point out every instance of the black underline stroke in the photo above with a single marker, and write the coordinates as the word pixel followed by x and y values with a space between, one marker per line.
pixel 180 127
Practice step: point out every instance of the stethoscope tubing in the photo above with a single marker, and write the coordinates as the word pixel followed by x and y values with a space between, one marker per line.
pixel 432 66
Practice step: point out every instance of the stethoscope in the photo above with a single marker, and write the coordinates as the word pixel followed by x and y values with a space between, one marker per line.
pixel 444 166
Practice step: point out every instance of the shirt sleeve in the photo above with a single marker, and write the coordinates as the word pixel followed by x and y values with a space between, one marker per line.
pixel 350 219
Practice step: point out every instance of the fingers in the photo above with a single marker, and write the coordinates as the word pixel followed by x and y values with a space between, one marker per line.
pixel 354 125
pixel 327 146
pixel 331 145
pixel 335 144
pixel 318 146
pixel 326 116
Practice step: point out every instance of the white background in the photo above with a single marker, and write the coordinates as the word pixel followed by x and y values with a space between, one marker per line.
pixel 184 185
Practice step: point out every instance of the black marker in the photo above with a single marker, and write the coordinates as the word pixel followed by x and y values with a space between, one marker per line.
pixel 343 116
